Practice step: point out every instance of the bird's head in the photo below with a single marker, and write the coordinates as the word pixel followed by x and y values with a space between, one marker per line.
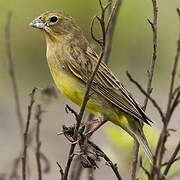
pixel 57 26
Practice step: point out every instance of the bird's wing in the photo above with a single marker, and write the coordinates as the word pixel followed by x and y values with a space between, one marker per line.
pixel 82 64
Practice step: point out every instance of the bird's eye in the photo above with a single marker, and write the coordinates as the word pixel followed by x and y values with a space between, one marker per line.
pixel 53 19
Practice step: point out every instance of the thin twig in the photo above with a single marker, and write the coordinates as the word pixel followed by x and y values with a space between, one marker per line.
pixel 38 143
pixel 77 167
pixel 145 93
pixel 69 109
pixel 46 168
pixel 16 161
pixel 12 73
pixel 144 169
pixel 176 90
pixel 24 156
pixel 75 174
pixel 154 54
pixel 14 174
pixel 110 28
pixel 86 96
pixel 160 149
pixel 174 105
pixel 172 93
pixel 80 115
pixel 176 159
pixel 60 170
pixel 109 162
pixel 149 84
pixel 171 161
pixel 173 75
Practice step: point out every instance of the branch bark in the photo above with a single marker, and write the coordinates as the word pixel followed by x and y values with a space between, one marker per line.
pixel 12 73
pixel 149 84
pixel 102 58
pixel 38 143
pixel 24 156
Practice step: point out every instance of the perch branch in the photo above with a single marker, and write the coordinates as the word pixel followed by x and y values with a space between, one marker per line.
pixel 86 96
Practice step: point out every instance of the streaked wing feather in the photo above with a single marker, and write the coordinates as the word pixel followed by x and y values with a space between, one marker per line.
pixel 104 83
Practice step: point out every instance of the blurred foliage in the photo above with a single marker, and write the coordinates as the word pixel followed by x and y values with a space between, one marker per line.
pixel 123 144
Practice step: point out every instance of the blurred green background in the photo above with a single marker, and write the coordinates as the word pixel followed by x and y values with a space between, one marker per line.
pixel 131 50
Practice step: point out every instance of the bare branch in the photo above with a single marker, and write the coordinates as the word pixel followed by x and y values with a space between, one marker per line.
pixel 147 95
pixel 149 84
pixel 14 172
pixel 176 159
pixel 160 149
pixel 80 115
pixel 145 170
pixel 92 32
pixel 12 73
pixel 38 143
pixel 60 170
pixel 176 90
pixel 108 36
pixel 68 108
pixel 113 166
pixel 173 75
pixel 110 28
pixel 46 169
pixel 154 55
pixel 174 105
pixel 171 161
pixel 178 11
pixel 77 167
pixel 24 156
pixel 86 96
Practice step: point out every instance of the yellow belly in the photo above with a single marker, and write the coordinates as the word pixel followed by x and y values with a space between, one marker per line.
pixel 74 89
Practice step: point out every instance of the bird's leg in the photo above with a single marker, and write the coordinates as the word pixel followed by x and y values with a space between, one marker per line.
pixel 68 131
pixel 90 133
pixel 89 122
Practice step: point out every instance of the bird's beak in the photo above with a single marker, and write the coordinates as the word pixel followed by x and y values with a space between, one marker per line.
pixel 37 23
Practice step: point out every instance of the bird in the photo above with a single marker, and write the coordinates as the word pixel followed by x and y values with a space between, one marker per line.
pixel 72 60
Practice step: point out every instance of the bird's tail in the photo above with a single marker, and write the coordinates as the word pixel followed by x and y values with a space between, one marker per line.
pixel 140 137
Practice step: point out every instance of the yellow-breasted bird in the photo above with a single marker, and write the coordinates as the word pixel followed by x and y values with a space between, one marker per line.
pixel 72 60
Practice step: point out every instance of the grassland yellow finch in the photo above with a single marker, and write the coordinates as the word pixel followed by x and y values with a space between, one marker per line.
pixel 72 60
